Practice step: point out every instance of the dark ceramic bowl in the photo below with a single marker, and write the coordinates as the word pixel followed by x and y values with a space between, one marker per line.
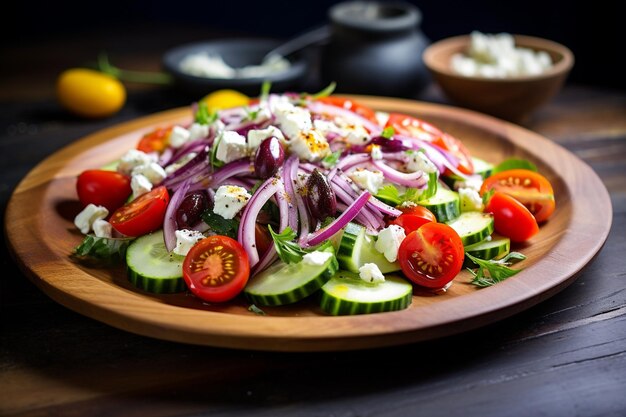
pixel 236 53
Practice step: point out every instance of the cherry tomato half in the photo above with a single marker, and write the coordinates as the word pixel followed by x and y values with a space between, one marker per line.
pixel 143 215
pixel 528 187
pixel 216 269
pixel 103 188
pixel 432 255
pixel 155 141
pixel 419 129
pixel 511 218
pixel 413 217
pixel 351 105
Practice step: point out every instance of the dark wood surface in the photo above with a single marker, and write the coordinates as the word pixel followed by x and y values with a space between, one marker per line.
pixel 566 356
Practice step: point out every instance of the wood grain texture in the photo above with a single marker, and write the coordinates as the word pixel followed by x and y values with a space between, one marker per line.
pixel 39 228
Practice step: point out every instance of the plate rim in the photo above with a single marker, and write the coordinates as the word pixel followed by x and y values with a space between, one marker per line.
pixel 357 332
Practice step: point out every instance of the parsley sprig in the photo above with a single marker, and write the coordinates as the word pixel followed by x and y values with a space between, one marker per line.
pixel 390 194
pixel 490 272
pixel 203 116
pixel 286 248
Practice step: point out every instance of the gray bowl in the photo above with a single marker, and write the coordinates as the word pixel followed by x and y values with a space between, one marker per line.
pixel 236 53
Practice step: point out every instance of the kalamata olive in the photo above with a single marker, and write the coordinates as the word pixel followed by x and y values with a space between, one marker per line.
pixel 189 211
pixel 269 157
pixel 320 197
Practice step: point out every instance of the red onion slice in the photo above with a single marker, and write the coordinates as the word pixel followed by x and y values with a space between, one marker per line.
pixel 345 218
pixel 169 224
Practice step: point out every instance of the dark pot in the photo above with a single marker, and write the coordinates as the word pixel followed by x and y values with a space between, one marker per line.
pixel 375 48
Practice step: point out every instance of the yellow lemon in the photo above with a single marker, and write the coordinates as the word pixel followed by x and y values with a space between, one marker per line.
pixel 225 99
pixel 90 93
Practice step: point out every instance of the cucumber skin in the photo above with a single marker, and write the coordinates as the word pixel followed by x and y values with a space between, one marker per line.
pixel 495 252
pixel 347 247
pixel 444 212
pixel 337 307
pixel 478 237
pixel 163 286
pixel 298 293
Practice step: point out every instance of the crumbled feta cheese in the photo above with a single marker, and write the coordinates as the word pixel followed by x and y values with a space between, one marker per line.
pixel 368 180
pixel 309 145
pixel 376 153
pixel 179 136
pixel 229 200
pixel 132 159
pixel 389 240
pixel 178 164
pixel 291 119
pixel 316 258
pixel 470 200
pixel 86 218
pixel 351 133
pixel 418 161
pixel 371 273
pixel 198 131
pixel 153 171
pixel 102 228
pixel 474 182
pixel 140 185
pixel 231 146
pixel 495 56
pixel 408 204
pixel 185 239
pixel 256 136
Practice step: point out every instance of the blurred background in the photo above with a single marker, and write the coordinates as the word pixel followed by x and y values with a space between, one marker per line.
pixel 43 38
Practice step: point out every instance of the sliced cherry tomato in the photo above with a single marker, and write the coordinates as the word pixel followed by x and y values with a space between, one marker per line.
pixel 413 217
pixel 432 255
pixel 216 269
pixel 143 215
pixel 419 129
pixel 103 188
pixel 511 218
pixel 528 187
pixel 155 141
pixel 351 105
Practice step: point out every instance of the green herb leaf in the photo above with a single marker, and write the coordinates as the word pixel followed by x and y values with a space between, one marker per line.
pixel 251 115
pixel 203 116
pixel 388 132
pixel 265 90
pixel 325 92
pixel 213 161
pixel 487 196
pixel 490 272
pixel 220 225
pixel 331 160
pixel 101 250
pixel 390 194
pixel 256 310
pixel 287 249
pixel 431 187
pixel 514 163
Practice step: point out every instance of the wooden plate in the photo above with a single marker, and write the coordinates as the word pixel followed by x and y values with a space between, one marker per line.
pixel 41 234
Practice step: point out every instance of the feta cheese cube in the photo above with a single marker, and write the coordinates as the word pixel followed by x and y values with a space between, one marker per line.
pixel 418 161
pixel 256 136
pixel 376 153
pixel 185 239
pixel 198 131
pixel 140 185
pixel 371 273
pixel 389 240
pixel 179 136
pixel 470 200
pixel 368 180
pixel 231 146
pixel 291 119
pixel 86 218
pixel 229 200
pixel 102 228
pixel 316 258
pixel 474 182
pixel 309 145
pixel 132 159
pixel 153 171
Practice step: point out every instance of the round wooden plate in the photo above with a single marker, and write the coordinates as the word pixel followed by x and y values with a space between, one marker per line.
pixel 41 234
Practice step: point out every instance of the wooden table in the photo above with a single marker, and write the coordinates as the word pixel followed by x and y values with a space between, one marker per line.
pixel 566 356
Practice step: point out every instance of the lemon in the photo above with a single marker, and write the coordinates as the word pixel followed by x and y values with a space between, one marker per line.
pixel 225 99
pixel 90 93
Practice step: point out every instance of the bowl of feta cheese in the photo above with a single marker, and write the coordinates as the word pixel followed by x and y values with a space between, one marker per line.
pixel 236 63
pixel 507 76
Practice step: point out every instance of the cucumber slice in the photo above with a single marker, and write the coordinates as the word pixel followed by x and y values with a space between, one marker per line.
pixel 284 283
pixel 151 267
pixel 357 249
pixel 346 293
pixel 481 167
pixel 445 205
pixel 473 226
pixel 495 248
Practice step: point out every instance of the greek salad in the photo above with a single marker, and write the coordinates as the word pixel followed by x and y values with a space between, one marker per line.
pixel 298 195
